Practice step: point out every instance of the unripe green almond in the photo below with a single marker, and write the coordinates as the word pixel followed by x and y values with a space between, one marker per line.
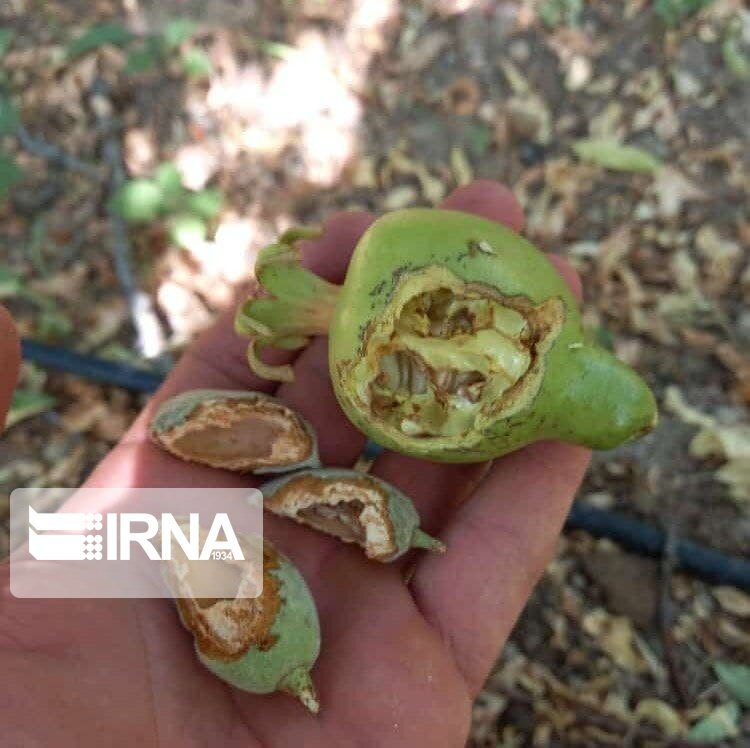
pixel 452 339
pixel 354 507
pixel 261 645
pixel 235 430
pixel 455 339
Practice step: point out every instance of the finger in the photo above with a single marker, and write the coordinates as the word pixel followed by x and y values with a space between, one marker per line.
pixel 499 543
pixel 436 489
pixel 488 199
pixel 217 361
pixel 311 394
pixel 10 356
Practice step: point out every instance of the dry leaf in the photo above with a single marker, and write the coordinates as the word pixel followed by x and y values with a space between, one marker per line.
pixel 733 601
pixel 661 714
pixel 400 197
pixel 671 189
pixel 615 636
pixel 721 259
pixel 460 166
pixel 728 442
pixel 365 173
pixel 612 154
pixel 424 50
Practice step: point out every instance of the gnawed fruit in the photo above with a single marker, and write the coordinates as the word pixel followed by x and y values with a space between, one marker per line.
pixel 452 339
pixel 258 644
pixel 235 430
pixel 354 507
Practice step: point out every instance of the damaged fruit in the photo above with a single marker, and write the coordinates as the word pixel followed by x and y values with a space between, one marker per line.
pixel 453 339
pixel 244 431
pixel 259 644
pixel 352 506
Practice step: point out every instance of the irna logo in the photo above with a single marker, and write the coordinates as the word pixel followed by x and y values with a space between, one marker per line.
pixel 68 536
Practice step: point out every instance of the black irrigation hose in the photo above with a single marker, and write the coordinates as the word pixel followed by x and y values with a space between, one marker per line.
pixel 90 367
pixel 643 538
pixel 631 534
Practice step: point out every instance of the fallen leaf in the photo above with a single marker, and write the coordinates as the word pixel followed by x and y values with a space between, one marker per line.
pixel 721 259
pixel 729 442
pixel 671 189
pixel 424 50
pixel 614 155
pixel 736 679
pixel 733 601
pixel 661 714
pixel 720 724
pixel 615 636
pixel 400 197
pixel 27 403
pixel 460 166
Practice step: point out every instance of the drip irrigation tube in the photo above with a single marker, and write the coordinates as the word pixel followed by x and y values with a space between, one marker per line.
pixel 633 535
pixel 90 367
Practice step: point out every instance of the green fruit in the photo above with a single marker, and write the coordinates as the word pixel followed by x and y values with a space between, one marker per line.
pixel 352 506
pixel 456 340
pixel 244 431
pixel 260 644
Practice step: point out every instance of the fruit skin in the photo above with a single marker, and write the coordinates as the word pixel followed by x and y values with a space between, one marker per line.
pixel 586 395
pixel 403 516
pixel 174 412
pixel 295 633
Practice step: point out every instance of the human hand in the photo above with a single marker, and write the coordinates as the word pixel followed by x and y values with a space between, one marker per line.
pixel 400 662
pixel 10 361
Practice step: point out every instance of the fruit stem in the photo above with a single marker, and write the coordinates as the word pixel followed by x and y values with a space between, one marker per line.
pixel 299 684
pixel 298 304
pixel 421 539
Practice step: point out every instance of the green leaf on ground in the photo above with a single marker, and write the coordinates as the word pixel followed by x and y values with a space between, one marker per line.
pixel 178 31
pixel 187 230
pixel 6 39
pixel 674 12
pixel 142 61
pixel 205 203
pixel 167 176
pixel 11 283
pixel 97 36
pixel 736 680
pixel 556 13
pixel 735 60
pixel 27 403
pixel 276 49
pixel 617 156
pixel 139 201
pixel 8 116
pixel 10 173
pixel 52 323
pixel 197 64
pixel 720 724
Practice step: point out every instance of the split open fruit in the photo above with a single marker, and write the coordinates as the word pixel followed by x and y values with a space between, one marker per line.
pixel 452 339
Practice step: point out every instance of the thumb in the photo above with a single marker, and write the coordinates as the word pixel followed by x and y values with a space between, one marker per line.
pixel 10 361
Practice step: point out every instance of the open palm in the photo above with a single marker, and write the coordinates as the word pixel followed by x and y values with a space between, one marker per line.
pixel 405 647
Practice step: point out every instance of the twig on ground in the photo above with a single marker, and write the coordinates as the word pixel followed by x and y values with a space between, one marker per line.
pixel 150 338
pixel 667 617
pixel 55 155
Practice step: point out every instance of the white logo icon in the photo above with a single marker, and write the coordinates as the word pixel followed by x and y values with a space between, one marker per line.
pixel 70 542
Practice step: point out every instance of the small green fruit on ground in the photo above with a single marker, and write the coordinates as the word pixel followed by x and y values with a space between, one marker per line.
pixel 258 644
pixel 452 339
pixel 352 506
pixel 235 430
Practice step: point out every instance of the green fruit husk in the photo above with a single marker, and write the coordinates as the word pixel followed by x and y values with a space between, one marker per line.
pixel 203 426
pixel 385 521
